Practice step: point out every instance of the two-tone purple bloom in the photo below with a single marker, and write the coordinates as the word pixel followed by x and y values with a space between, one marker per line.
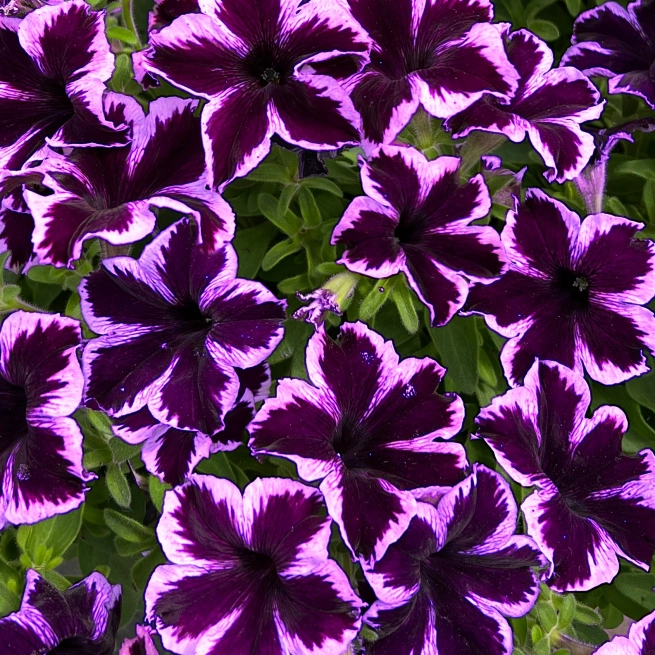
pixel 251 573
pixel 171 453
pixel 365 424
pixel 416 218
pixel 618 43
pixel 166 11
pixel 548 106
pixel 175 325
pixel 593 503
pixel 110 192
pixel 40 446
pixel 51 91
pixel 252 60
pixel 441 54
pixel 16 226
pixel 82 620
pixel 640 640
pixel 447 584
pixel 573 294
pixel 142 644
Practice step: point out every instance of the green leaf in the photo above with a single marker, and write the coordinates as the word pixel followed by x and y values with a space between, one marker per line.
pixel 279 252
pixel 122 34
pixel 322 184
pixel 157 490
pixel 574 7
pixel 9 600
pixel 520 629
pixel 123 78
pixel 649 199
pixel 142 570
pixel 458 345
pixel 546 616
pixel 122 451
pixel 118 486
pixel 376 297
pixel 542 647
pixel 638 587
pixel 101 422
pixel 296 334
pixel 404 302
pixel 127 548
pixel 567 612
pixel 56 579
pixel 644 168
pixel 269 172
pixel 55 534
pixel 308 208
pixel 287 222
pixel 287 194
pixel 545 29
pixel 127 528
pixel 586 615
pixel 251 245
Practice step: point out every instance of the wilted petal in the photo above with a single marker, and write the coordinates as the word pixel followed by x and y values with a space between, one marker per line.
pixel 16 236
pixel 142 644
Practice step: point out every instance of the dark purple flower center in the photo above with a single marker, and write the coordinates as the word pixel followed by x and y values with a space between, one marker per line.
pixel 268 65
pixel 259 564
pixel 348 441
pixel 411 227
pixel 190 314
pixel 397 65
pixel 13 409
pixel 574 286
pixel 76 646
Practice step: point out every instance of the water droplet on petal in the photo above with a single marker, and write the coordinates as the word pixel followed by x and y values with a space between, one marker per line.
pixel 381 289
pixel 123 389
pixel 409 391
pixel 367 357
pixel 23 472
pixel 164 346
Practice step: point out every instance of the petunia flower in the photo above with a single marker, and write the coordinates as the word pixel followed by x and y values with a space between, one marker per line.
pixel 111 193
pixel 251 59
pixel 640 640
pixel 82 620
pixel 573 294
pixel 249 574
pixel 165 12
pixel 548 106
pixel 592 502
pixel 365 424
pixel 142 644
pixel 175 325
pixel 16 227
pixel 619 43
pixel 53 93
pixel 171 454
pixel 41 447
pixel 449 582
pixel 415 218
pixel 440 54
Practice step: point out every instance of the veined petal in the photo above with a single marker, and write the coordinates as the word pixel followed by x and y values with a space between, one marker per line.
pixel 38 352
pixel 43 474
pixel 444 94
pixel 196 53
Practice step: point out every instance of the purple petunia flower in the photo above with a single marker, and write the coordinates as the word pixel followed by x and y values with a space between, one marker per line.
pixel 447 584
pixel 365 424
pixel 142 644
pixel 171 454
pixel 573 294
pixel 441 54
pixel 16 226
pixel 252 60
pixel 548 106
pixel 640 640
pixel 618 43
pixel 110 193
pixel 250 573
pixel 166 11
pixel 592 502
pixel 81 620
pixel 40 387
pixel 415 218
pixel 54 94
pixel 175 324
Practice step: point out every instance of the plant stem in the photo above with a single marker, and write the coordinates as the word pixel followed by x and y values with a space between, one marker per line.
pixel 128 17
